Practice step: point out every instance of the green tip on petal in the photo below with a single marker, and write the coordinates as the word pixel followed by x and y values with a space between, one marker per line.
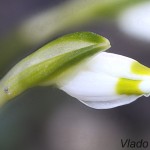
pixel 132 86
pixel 140 69
pixel 128 87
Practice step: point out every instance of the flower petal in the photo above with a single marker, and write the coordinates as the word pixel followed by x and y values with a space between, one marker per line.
pixel 108 80
pixel 145 87
pixel 135 21
pixel 87 83
pixel 101 104
pixel 111 64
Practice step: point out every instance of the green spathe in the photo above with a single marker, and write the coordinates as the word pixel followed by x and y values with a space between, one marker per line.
pixel 50 61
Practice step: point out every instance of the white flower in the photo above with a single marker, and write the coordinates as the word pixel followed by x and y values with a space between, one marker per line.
pixel 135 21
pixel 107 80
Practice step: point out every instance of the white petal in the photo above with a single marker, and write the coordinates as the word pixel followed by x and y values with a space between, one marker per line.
pixel 116 65
pixel 135 21
pixel 101 104
pixel 145 87
pixel 112 64
pixel 95 83
pixel 87 83
pixel 96 90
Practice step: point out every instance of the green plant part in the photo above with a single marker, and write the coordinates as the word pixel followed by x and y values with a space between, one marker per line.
pixel 54 21
pixel 44 66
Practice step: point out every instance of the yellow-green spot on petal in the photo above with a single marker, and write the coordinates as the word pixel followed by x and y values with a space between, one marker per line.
pixel 128 87
pixel 140 69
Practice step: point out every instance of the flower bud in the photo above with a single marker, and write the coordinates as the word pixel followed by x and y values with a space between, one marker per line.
pixel 107 80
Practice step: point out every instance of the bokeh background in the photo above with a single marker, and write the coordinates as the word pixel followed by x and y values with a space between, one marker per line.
pixel 45 118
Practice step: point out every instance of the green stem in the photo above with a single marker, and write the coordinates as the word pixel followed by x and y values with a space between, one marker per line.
pixel 4 95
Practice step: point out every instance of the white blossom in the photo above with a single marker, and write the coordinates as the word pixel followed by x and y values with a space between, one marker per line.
pixel 135 21
pixel 107 80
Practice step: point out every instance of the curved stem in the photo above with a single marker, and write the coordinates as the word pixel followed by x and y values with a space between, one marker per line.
pixel 4 95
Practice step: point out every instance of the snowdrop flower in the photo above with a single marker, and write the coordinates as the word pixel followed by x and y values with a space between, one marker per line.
pixel 107 80
pixel 135 21
pixel 77 64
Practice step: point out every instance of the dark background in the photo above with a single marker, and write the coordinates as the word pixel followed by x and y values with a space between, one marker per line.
pixel 45 118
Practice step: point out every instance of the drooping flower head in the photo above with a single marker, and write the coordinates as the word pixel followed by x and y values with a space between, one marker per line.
pixel 77 64
pixel 107 80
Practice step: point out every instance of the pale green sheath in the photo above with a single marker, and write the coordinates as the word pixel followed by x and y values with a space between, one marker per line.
pixel 45 65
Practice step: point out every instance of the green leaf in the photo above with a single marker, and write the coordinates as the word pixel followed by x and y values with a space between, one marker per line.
pixel 45 65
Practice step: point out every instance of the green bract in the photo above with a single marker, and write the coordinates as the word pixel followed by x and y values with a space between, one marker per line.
pixel 46 64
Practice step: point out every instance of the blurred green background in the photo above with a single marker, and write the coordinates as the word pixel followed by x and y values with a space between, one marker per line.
pixel 45 118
